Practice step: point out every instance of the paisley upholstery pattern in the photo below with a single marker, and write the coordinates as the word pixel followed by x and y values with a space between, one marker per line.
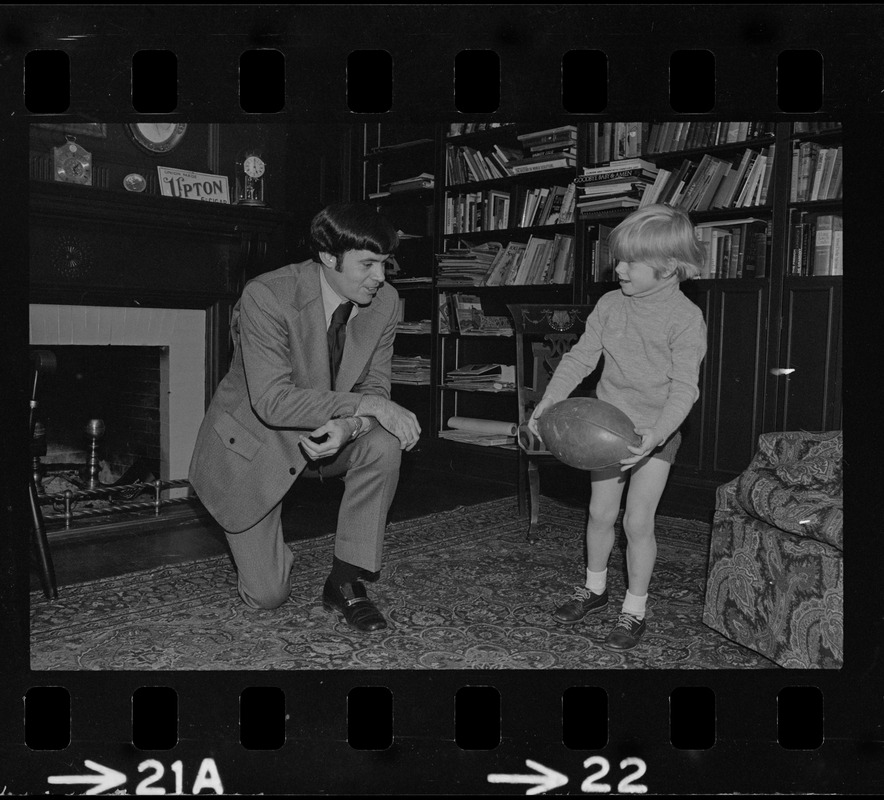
pixel 775 580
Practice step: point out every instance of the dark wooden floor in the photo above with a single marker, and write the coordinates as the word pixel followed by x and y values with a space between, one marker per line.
pixel 430 481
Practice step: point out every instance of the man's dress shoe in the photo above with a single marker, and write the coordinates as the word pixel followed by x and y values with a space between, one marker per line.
pixel 351 600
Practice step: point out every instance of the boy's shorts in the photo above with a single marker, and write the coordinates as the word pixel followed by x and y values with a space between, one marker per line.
pixel 667 450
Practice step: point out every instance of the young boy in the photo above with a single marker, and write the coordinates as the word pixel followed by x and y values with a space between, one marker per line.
pixel 653 339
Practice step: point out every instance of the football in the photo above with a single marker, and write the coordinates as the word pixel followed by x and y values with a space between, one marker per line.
pixel 587 433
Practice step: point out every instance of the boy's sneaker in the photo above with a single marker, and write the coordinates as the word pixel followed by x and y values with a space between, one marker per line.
pixel 626 633
pixel 582 603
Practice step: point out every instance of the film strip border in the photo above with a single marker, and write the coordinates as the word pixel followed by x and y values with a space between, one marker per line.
pixel 371 75
pixel 503 60
pixel 776 731
pixel 528 734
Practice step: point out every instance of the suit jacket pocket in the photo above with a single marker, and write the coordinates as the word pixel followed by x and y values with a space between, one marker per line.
pixel 236 437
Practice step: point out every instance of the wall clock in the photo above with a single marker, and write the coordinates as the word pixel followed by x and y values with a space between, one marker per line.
pixel 156 138
pixel 72 163
pixel 251 169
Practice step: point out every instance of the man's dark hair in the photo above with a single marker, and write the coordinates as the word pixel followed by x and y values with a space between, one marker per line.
pixel 351 226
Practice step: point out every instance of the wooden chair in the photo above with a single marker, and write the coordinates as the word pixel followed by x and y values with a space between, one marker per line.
pixel 550 329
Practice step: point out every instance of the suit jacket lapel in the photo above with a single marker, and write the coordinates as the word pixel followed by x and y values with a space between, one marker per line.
pixel 312 329
pixel 362 335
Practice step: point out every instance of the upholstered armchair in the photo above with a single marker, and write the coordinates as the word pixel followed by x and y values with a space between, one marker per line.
pixel 775 579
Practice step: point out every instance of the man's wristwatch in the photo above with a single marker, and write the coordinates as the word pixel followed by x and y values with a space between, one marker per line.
pixel 359 423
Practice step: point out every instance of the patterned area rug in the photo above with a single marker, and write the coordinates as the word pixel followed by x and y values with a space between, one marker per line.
pixel 461 589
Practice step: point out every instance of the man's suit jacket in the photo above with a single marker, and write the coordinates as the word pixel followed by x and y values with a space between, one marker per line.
pixel 247 455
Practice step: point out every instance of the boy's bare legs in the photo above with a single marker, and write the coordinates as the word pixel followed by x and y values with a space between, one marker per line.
pixel 604 507
pixel 645 489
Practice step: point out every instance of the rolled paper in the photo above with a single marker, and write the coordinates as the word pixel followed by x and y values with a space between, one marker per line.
pixel 486 426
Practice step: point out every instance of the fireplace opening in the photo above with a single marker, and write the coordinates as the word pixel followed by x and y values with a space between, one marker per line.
pixel 118 385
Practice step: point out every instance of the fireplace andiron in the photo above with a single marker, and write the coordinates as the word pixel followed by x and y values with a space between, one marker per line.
pixel 95 429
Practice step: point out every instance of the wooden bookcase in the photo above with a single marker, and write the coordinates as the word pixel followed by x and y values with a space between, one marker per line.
pixel 774 358
pixel 390 153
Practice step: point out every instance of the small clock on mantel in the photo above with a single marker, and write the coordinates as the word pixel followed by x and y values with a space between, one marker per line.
pixel 251 173
pixel 156 138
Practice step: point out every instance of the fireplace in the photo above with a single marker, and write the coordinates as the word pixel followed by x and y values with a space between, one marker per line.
pixel 106 397
pixel 141 285
pixel 173 339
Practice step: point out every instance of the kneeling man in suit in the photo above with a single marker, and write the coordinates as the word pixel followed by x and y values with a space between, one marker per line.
pixel 308 394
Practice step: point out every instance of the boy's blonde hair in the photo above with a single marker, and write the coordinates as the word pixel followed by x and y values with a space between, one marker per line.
pixel 662 237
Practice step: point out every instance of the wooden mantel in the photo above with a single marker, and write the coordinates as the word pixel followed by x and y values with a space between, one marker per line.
pixel 103 241
pixel 92 246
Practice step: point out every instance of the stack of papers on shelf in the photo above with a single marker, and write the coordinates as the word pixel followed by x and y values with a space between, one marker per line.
pixel 485 432
pixel 423 181
pixel 411 369
pixel 483 439
pixel 419 326
pixel 466 266
pixel 483 377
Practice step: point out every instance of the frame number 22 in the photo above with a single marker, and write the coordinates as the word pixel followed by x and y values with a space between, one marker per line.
pixel 627 784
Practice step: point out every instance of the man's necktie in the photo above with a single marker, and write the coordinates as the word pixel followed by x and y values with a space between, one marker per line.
pixel 337 334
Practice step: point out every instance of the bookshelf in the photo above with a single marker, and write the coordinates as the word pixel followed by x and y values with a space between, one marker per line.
pixel 398 177
pixel 752 189
pixel 807 389
pixel 506 234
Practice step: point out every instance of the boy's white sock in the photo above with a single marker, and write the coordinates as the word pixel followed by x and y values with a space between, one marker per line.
pixel 634 604
pixel 596 581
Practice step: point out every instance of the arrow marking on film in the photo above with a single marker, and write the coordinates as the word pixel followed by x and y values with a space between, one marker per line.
pixel 107 779
pixel 545 781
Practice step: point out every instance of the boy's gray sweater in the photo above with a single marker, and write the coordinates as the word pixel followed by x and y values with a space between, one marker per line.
pixel 653 345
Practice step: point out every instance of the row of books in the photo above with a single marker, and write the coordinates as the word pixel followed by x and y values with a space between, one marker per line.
pixel 611 141
pixel 553 148
pixel 465 315
pixel 734 248
pixel 667 137
pixel 714 183
pixel 602 268
pixel 538 261
pixel 410 369
pixel 817 172
pixel 466 164
pixel 468 212
pixel 552 205
pixel 817 241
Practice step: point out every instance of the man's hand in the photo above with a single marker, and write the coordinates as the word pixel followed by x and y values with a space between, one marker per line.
pixel 651 438
pixel 542 406
pixel 327 439
pixel 397 420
